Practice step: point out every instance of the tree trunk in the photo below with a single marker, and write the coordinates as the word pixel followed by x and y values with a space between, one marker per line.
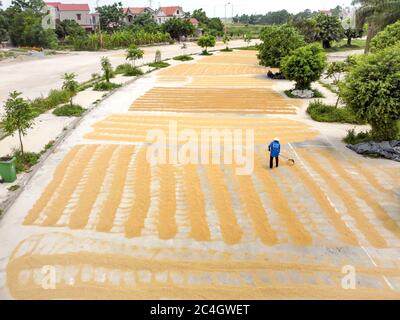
pixel 20 141
pixel 326 44
pixel 337 101
pixel 349 41
pixel 372 31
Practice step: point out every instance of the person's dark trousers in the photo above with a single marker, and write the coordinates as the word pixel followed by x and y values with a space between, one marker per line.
pixel 271 162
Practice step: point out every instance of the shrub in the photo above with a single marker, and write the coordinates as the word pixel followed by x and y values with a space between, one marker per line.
pixel 354 138
pixel 321 112
pixel 372 90
pixel 25 161
pixel 128 70
pixel 69 110
pixel 304 65
pixel 278 42
pixel 159 65
pixel 134 53
pixel 183 57
pixel 386 38
pixel 107 68
pixel 55 97
pixel 105 86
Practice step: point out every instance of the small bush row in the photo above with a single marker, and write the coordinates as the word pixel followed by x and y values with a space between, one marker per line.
pixel 321 112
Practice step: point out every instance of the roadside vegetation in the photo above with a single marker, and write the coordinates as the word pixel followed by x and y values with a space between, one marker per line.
pixel 159 64
pixel 128 70
pixel 68 110
pixel 322 112
pixel 183 57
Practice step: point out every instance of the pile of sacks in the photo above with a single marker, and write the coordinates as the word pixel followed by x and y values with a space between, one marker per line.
pixel 387 149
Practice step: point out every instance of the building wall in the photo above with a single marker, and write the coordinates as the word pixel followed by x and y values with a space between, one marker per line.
pixel 72 15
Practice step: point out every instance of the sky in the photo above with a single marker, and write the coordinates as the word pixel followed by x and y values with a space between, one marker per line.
pixel 217 7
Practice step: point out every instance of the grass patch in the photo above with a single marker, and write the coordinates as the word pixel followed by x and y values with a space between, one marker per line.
pixel 68 110
pixel 105 86
pixel 252 48
pixel 7 54
pixel 227 50
pixel 354 138
pixel 24 162
pixel 159 65
pixel 317 94
pixel 356 44
pixel 14 187
pixel 205 53
pixel 183 57
pixel 55 98
pixel 128 70
pixel 321 112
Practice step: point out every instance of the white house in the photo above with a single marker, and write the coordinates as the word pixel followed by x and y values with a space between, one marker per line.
pixel 132 12
pixel 165 13
pixel 80 13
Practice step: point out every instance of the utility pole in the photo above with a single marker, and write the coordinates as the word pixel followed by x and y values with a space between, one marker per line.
pixel 226 4
pixel 101 35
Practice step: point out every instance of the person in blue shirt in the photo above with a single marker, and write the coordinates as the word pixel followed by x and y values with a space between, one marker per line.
pixel 274 149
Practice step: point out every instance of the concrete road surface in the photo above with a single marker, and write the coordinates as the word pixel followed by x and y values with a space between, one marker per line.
pixel 102 220
pixel 37 77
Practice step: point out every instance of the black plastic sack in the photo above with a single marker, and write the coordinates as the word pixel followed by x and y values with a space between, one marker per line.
pixel 387 149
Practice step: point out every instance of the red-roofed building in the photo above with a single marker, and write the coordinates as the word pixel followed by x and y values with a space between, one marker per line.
pixel 194 22
pixel 326 12
pixel 165 13
pixel 70 11
pixel 132 12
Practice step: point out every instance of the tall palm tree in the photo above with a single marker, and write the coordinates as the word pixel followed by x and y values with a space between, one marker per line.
pixel 377 14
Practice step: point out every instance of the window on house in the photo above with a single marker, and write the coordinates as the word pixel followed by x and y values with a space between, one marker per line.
pixel 177 11
pixel 130 18
pixel 78 16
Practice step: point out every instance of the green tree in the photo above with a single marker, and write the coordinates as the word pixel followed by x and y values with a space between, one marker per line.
pixel 69 28
pixel 201 16
pixel 308 28
pixel 111 16
pixel 134 53
pixel 24 19
pixel 206 42
pixel 335 71
pixel 329 29
pixel 17 116
pixel 304 65
pixel 3 25
pixel 226 40
pixel 146 22
pixel 247 38
pixel 178 28
pixel 372 90
pixel 107 68
pixel 215 27
pixel 377 14
pixel 278 42
pixel 386 38
pixel 71 85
